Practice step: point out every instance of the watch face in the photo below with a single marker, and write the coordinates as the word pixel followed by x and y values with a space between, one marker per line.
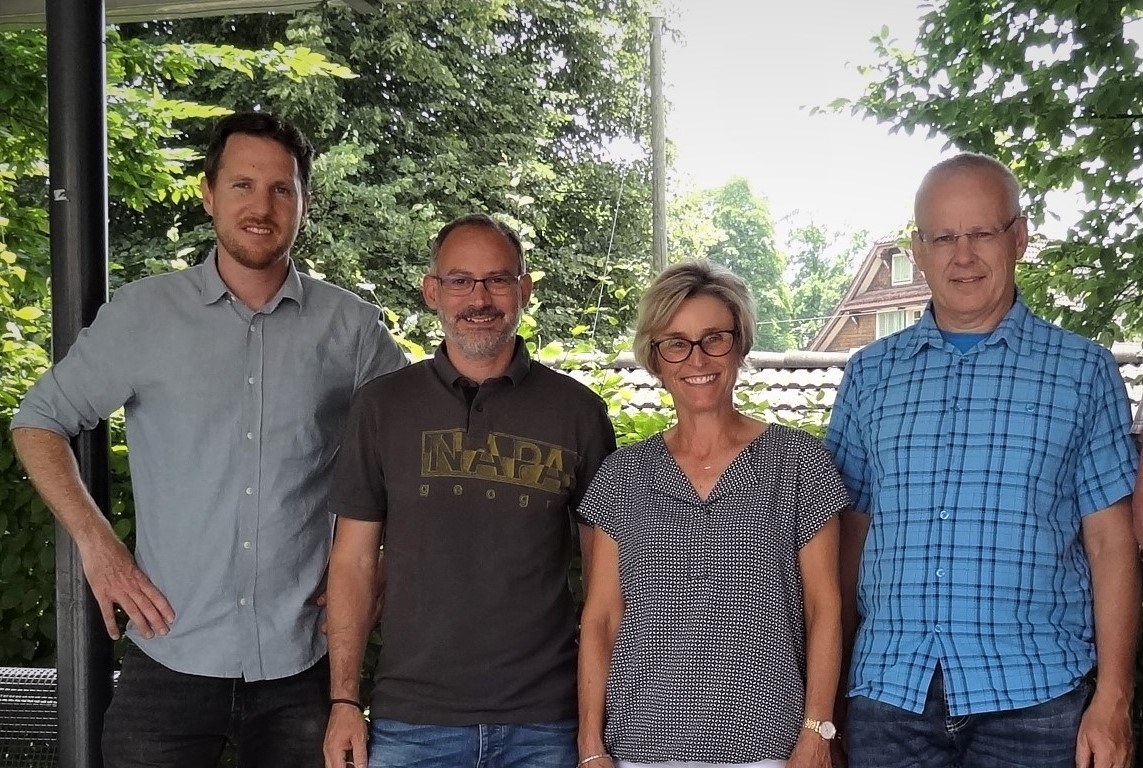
pixel 827 729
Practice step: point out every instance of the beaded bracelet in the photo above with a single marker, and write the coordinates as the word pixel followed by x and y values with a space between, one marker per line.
pixel 350 702
pixel 591 759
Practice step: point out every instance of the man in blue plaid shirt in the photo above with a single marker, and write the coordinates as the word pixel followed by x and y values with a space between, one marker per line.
pixel 988 562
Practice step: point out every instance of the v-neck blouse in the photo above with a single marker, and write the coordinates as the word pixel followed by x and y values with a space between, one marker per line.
pixel 709 661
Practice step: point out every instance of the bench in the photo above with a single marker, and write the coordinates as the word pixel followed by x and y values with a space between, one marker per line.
pixel 28 725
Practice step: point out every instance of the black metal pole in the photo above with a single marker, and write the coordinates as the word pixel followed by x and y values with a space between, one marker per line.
pixel 77 140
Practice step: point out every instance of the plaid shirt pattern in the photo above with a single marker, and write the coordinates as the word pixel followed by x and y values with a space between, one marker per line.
pixel 976 470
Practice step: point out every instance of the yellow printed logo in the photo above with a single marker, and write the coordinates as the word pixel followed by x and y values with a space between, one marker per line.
pixel 501 457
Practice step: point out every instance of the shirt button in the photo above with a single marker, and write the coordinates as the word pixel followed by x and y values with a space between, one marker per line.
pixel 944 515
pixel 251 329
pixel 250 380
pixel 242 601
pixel 940 573
pixel 1029 407
pixel 246 545
pixel 249 435
pixel 480 408
pixel 249 491
pixel 938 629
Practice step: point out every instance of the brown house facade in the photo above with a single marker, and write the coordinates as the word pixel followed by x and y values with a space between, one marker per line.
pixel 887 294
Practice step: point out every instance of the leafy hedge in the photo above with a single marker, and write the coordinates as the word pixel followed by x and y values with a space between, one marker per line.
pixel 27 583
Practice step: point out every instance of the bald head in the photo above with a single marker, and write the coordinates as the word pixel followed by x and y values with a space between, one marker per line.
pixel 968 162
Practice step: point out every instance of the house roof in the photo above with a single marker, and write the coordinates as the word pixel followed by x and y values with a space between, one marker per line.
pixel 859 299
pixel 797 387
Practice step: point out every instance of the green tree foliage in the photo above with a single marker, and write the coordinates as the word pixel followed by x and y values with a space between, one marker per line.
pixel 509 106
pixel 27 622
pixel 512 106
pixel 26 554
pixel 1054 88
pixel 732 227
pixel 822 264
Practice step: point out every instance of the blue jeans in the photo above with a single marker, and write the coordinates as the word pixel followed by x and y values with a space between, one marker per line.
pixel 394 744
pixel 159 717
pixel 1042 736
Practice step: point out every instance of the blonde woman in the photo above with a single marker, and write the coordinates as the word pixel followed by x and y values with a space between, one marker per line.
pixel 712 632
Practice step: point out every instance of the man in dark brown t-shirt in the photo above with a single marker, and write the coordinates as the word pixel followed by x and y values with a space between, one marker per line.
pixel 466 467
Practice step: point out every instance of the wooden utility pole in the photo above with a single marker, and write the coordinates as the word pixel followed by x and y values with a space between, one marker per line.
pixel 658 151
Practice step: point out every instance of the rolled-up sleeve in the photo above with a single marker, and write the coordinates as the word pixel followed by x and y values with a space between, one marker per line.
pixel 92 380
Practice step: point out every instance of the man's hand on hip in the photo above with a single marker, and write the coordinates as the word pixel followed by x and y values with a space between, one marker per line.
pixel 115 579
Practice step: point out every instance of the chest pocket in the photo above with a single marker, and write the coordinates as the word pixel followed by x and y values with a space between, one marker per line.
pixel 1044 433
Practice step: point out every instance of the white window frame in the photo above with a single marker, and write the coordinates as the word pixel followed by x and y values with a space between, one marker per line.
pixel 900 269
pixel 889 321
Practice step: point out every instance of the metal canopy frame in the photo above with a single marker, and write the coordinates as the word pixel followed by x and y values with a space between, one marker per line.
pixel 33 13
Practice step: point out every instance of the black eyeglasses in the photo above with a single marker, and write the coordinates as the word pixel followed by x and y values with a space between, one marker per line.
pixel 462 285
pixel 980 237
pixel 677 349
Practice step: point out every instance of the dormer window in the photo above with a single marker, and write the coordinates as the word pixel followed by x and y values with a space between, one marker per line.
pixel 901 269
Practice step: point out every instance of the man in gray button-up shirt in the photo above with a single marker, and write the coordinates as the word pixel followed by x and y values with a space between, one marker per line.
pixel 236 377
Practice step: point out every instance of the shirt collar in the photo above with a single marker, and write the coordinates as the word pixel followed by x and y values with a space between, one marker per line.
pixel 1015 330
pixel 214 289
pixel 517 369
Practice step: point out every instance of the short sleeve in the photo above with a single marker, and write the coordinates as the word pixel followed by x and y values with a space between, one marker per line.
pixel 597 443
pixel 843 441
pixel 1107 462
pixel 358 489
pixel 600 505
pixel 821 493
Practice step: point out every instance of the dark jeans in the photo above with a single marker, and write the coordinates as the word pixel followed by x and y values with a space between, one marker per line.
pixel 394 744
pixel 1042 736
pixel 159 718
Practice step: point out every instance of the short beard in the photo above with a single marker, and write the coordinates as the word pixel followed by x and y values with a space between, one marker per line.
pixel 255 260
pixel 481 345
